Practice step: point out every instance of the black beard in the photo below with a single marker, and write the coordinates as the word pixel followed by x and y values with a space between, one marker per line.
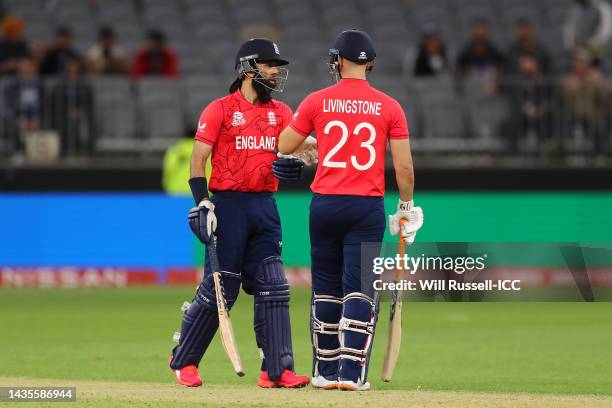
pixel 264 94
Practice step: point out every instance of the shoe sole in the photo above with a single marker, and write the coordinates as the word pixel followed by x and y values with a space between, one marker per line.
pixel 348 387
pixel 333 386
pixel 188 384
pixel 298 385
pixel 268 384
pixel 271 384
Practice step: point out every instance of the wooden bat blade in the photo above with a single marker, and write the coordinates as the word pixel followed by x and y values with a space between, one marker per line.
pixel 228 339
pixel 394 338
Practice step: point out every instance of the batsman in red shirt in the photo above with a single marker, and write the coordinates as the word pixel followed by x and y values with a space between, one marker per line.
pixel 241 132
pixel 353 123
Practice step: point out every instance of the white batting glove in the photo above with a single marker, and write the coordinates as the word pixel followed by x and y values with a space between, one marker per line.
pixel 308 151
pixel 414 216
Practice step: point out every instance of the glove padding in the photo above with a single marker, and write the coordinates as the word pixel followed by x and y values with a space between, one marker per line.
pixel 414 216
pixel 287 168
pixel 203 221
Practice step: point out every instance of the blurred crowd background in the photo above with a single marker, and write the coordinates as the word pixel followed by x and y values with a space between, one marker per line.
pixel 489 79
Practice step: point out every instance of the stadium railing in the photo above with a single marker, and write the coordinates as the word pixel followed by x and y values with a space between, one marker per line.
pixel 546 117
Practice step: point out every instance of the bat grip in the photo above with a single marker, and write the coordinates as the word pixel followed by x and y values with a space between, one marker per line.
pixel 212 254
pixel 402 221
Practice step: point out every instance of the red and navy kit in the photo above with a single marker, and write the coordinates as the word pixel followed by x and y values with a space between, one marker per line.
pixel 353 123
pixel 244 137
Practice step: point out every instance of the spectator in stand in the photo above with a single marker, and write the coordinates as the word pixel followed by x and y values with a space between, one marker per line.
pixel 155 58
pixel 12 47
pixel 589 26
pixel 431 59
pixel 530 103
pixel 24 97
pixel 586 102
pixel 57 58
pixel 73 107
pixel 479 57
pixel 480 61
pixel 107 57
pixel 526 44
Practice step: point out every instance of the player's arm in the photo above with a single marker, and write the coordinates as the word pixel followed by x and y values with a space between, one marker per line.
pixel 286 167
pixel 300 127
pixel 202 219
pixel 404 171
pixel 399 143
pixel 289 141
pixel 199 156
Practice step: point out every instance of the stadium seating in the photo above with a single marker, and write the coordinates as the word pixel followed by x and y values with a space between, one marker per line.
pixel 205 35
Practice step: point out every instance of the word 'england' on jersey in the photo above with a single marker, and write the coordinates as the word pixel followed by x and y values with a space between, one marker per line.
pixel 256 142
pixel 352 106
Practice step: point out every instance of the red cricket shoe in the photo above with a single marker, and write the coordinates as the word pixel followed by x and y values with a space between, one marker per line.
pixel 188 375
pixel 288 379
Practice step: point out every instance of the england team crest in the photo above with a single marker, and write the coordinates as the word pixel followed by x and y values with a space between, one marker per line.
pixel 271 118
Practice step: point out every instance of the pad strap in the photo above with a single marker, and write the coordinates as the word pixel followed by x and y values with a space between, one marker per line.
pixel 356 334
pixel 319 326
pixel 356 326
pixel 325 315
pixel 353 354
pixel 327 355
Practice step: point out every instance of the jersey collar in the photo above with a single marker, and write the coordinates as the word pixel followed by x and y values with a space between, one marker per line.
pixel 354 82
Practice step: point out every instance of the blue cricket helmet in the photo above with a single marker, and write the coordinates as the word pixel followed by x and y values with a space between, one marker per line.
pixel 354 45
pixel 259 49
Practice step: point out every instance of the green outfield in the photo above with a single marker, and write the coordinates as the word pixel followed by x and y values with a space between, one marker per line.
pixel 124 335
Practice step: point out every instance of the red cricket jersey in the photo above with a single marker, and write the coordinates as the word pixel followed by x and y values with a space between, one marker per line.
pixel 244 137
pixel 352 121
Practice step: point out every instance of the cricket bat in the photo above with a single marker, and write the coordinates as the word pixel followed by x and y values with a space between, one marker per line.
pixel 225 324
pixel 394 338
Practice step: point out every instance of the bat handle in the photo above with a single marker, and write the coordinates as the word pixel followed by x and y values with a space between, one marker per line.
pixel 212 254
pixel 402 222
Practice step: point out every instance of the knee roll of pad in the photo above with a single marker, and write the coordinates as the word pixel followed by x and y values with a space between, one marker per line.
pixel 271 283
pixel 324 322
pixel 230 283
pixel 272 324
pixel 356 334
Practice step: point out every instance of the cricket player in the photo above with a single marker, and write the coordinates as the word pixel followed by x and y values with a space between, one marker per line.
pixel 353 123
pixel 241 131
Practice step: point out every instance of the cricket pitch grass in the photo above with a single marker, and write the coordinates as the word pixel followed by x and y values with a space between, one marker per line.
pixel 112 345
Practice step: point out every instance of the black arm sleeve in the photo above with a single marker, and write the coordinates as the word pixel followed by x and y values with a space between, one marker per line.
pixel 199 188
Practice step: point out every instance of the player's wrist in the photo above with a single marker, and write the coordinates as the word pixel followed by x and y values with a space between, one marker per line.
pixel 206 203
pixel 199 189
pixel 405 205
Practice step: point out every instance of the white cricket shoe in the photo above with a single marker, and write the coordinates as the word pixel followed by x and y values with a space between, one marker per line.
pixel 348 385
pixel 323 383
